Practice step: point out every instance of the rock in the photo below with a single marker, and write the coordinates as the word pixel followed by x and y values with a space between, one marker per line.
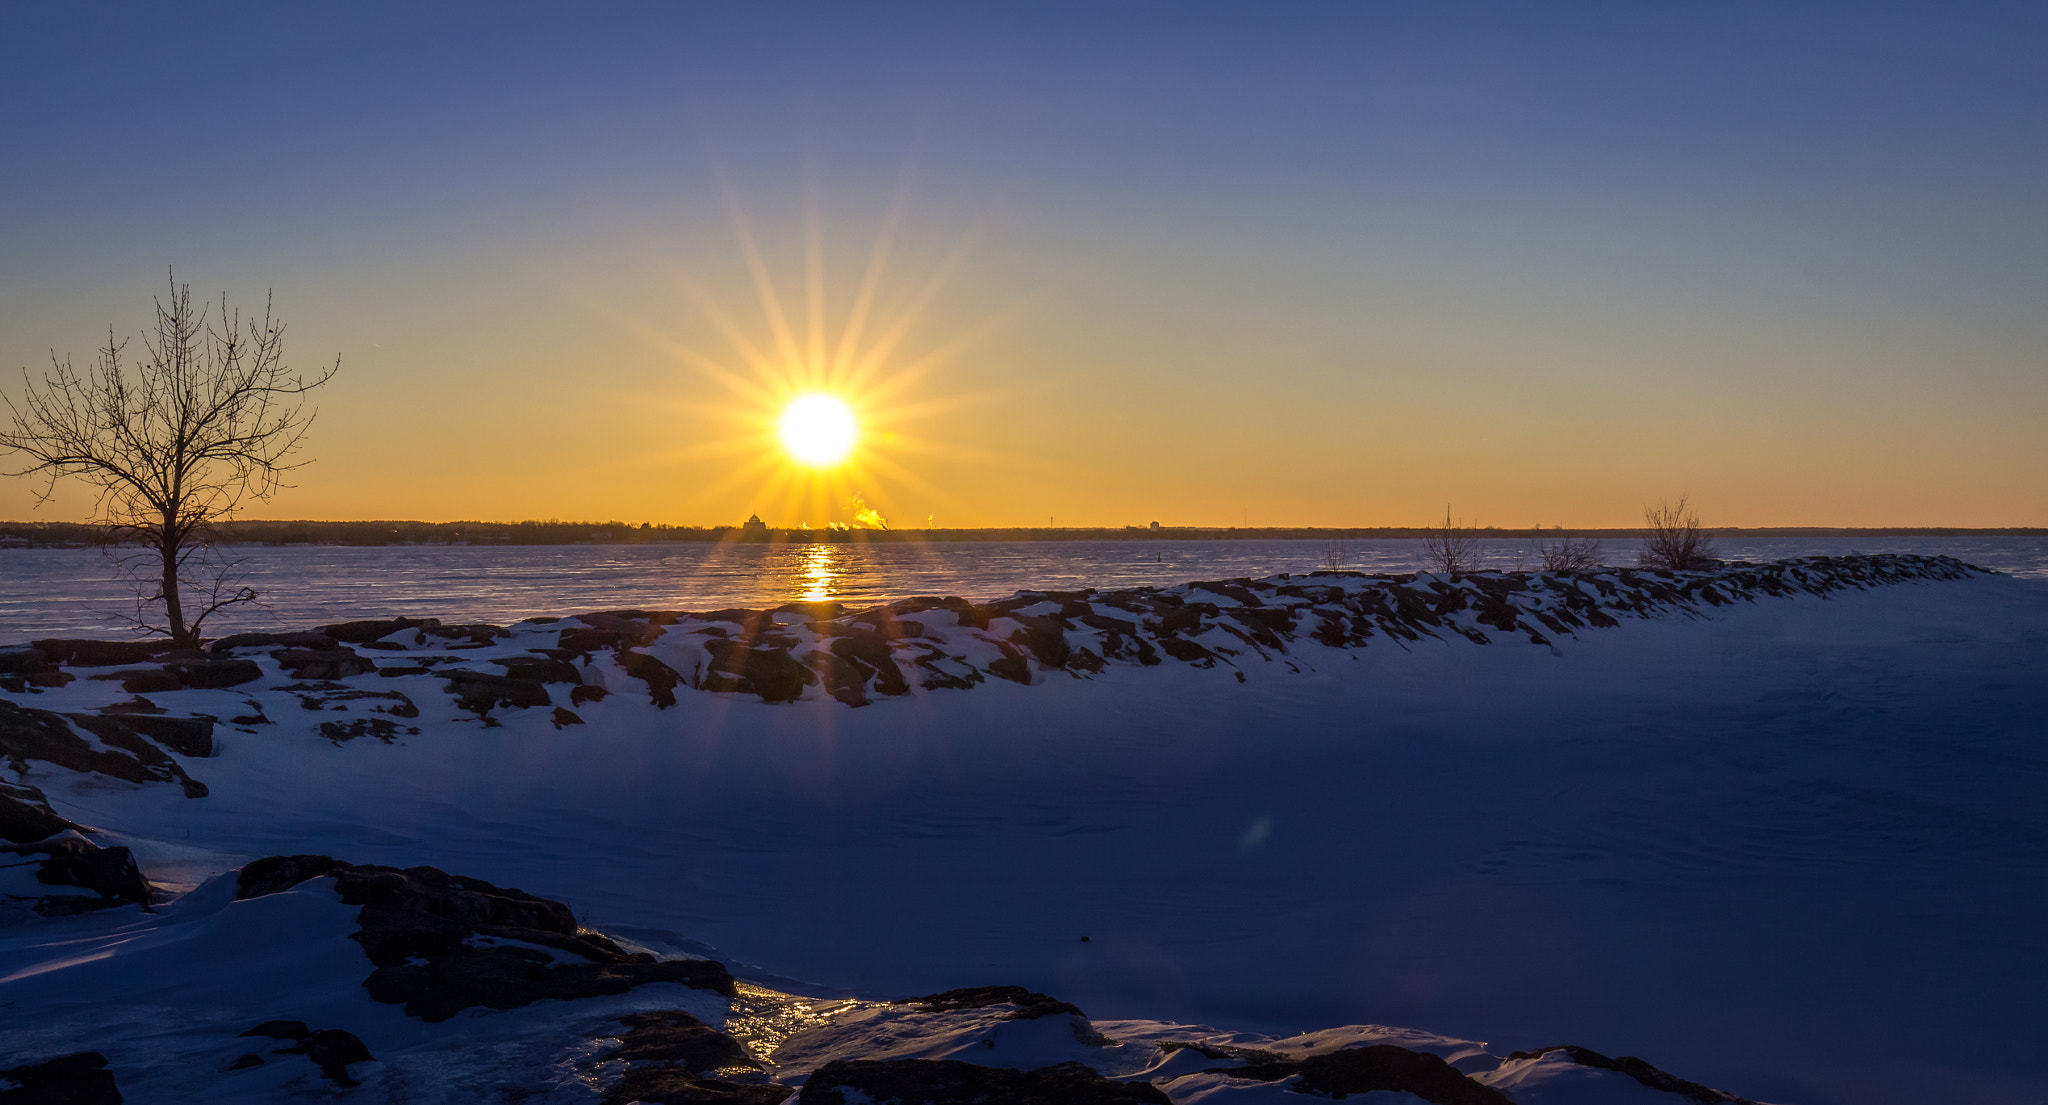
pixel 477 635
pixel 765 670
pixel 564 717
pixel 326 695
pixel 1640 1071
pixel 26 816
pixel 211 674
pixel 540 669
pixel 330 1049
pixel 187 736
pixel 313 664
pixel 587 693
pixel 319 642
pixel 1360 1070
pixel 78 1079
pixel 99 654
pixel 31 734
pixel 144 680
pixel 666 1086
pixel 23 668
pixel 951 1082
pixel 844 679
pixel 661 679
pixel 363 632
pixel 679 1038
pixel 384 729
pixel 443 943
pixel 480 693
pixel 1030 1004
pixel 71 860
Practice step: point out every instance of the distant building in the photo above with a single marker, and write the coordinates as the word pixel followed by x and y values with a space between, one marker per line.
pixel 1155 525
pixel 755 527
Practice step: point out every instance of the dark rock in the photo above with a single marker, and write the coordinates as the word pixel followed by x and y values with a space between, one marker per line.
pixel 136 705
pixel 676 1037
pixel 187 736
pixel 480 693
pixel 1045 637
pixel 540 669
pixel 477 635
pixel 79 1079
pixel 383 729
pixel 661 679
pixel 247 1062
pixel 31 734
pixel 318 642
pixel 99 654
pixel 330 1049
pixel 209 675
pixel 325 695
pixel 1011 665
pixel 583 694
pixel 1377 1067
pixel 765 670
pixel 144 680
pixel 951 1082
pixel 443 943
pixel 363 632
pixel 668 1086
pixel 29 667
pixel 26 816
pixel 71 861
pixel 1640 1071
pixel 564 717
pixel 313 664
pixel 1031 1005
pixel 844 679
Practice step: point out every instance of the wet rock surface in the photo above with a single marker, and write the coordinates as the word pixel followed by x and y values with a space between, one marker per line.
pixel 951 1082
pixel 444 943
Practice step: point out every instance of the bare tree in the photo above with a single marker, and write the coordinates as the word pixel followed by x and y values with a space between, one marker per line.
pixel 1335 553
pixel 1450 548
pixel 1564 551
pixel 1674 539
pixel 171 442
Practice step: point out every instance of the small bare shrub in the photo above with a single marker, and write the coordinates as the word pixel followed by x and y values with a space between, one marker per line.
pixel 1452 548
pixel 1335 553
pixel 1564 551
pixel 1675 540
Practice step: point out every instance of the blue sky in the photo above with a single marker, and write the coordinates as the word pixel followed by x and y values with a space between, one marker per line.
pixel 1315 264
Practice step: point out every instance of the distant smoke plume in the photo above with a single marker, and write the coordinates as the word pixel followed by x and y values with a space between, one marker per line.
pixel 867 517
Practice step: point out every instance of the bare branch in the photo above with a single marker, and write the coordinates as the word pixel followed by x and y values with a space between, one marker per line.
pixel 208 417
pixel 1675 541
pixel 1451 548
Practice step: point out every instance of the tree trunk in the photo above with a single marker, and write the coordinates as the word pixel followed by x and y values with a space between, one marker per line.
pixel 174 610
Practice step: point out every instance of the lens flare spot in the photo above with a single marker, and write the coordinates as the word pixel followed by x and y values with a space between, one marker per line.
pixel 818 430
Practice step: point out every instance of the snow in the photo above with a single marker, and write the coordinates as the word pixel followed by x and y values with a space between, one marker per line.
pixel 1788 849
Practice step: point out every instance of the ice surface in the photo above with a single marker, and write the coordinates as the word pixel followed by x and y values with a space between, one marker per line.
pixel 1790 850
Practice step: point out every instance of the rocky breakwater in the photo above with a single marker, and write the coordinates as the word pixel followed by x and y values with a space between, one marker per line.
pixel 373 678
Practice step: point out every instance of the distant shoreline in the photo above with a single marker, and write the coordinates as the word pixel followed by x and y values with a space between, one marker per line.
pixel 401 533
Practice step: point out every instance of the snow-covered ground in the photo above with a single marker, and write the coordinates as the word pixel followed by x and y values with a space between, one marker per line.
pixel 1790 848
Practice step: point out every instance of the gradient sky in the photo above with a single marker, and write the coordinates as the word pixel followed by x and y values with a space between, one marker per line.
pixel 1310 264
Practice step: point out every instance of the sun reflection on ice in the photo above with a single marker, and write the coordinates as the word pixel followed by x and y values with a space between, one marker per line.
pixel 818 572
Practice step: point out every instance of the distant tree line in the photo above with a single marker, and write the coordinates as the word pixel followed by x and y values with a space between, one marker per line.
pixel 554 532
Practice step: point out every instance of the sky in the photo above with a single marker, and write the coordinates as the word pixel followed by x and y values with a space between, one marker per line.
pixel 1201 264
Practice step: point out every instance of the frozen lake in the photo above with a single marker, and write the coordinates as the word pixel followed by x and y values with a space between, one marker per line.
pixel 71 593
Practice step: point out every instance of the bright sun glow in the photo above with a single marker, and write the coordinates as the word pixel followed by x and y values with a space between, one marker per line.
pixel 818 430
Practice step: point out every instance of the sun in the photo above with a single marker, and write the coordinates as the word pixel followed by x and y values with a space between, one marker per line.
pixel 818 430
